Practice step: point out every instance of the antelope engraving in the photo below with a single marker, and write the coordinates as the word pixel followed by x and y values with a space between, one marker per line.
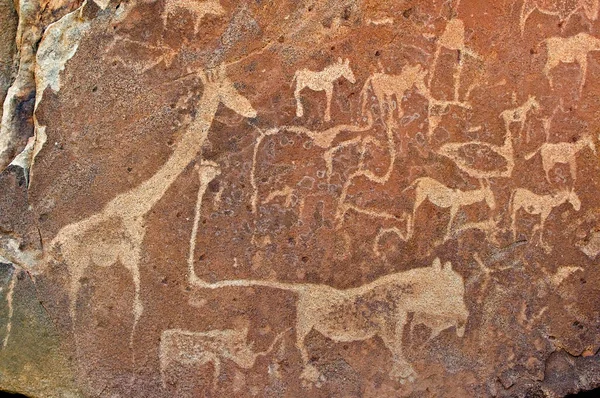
pixel 444 197
pixel 569 50
pixel 200 348
pixel 562 152
pixel 541 205
pixel 379 308
pixel 321 81
pixel 198 9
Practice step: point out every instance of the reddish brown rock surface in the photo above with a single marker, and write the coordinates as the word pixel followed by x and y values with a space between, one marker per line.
pixel 298 198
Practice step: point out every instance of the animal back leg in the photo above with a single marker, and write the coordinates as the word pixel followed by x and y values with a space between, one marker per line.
pixel 299 107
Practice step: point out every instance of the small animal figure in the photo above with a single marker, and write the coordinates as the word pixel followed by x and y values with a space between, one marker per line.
pixel 562 152
pixel 563 9
pixel 445 197
pixel 539 204
pixel 213 346
pixel 569 50
pixel 519 114
pixel 321 81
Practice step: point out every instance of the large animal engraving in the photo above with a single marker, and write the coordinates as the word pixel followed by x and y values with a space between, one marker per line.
pixel 379 308
pixel 115 235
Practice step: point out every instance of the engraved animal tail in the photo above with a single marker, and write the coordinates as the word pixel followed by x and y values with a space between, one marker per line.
pixel 247 283
pixel 273 343
pixel 532 154
pixel 413 184
pixel 294 79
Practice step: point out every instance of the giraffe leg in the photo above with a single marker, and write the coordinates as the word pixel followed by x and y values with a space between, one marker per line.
pixel 453 211
pixel 582 60
pixel 573 168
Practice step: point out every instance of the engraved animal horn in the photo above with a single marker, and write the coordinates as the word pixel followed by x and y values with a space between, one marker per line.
pixel 339 60
pixel 437 264
pixel 347 61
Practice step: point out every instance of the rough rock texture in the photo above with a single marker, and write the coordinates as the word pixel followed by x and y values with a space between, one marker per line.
pixel 352 198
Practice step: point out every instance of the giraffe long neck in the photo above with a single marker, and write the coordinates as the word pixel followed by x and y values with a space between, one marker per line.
pixel 140 200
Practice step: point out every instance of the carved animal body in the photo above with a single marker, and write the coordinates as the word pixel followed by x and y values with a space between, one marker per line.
pixel 386 86
pixel 445 197
pixel 562 152
pixel 379 308
pixel 563 9
pixel 116 233
pixel 198 8
pixel 321 81
pixel 519 114
pixel 570 49
pixel 539 204
pixel 213 346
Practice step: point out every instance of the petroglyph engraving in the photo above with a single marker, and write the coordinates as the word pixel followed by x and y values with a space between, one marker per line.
pixel 445 197
pixel 453 38
pixel 541 205
pixel 385 87
pixel 321 81
pixel 562 9
pixel 463 154
pixel 198 8
pixel 574 49
pixel 519 114
pixel 116 233
pixel 562 152
pixel 183 347
pixel 379 308
pixel 9 302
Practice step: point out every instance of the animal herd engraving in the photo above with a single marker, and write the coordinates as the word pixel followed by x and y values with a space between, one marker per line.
pixel 390 304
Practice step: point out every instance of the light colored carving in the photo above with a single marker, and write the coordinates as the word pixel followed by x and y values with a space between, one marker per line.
pixel 385 87
pixel 519 114
pixel 541 205
pixel 444 197
pixel 321 81
pixel 403 235
pixel 573 49
pixel 453 38
pixel 200 348
pixel 117 232
pixel 9 303
pixel 559 9
pixel 562 152
pixel 198 9
pixel 455 152
pixel 379 308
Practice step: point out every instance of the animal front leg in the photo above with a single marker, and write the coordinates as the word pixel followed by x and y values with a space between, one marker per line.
pixel 392 338
pixel 453 211
pixel 573 168
pixel 329 94
pixel 582 61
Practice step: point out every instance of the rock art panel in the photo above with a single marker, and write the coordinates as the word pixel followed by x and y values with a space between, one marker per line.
pixel 326 198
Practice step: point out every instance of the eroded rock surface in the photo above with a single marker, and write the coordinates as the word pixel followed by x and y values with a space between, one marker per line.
pixel 301 198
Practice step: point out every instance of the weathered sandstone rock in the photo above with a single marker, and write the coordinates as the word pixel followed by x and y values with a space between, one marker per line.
pixel 349 198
